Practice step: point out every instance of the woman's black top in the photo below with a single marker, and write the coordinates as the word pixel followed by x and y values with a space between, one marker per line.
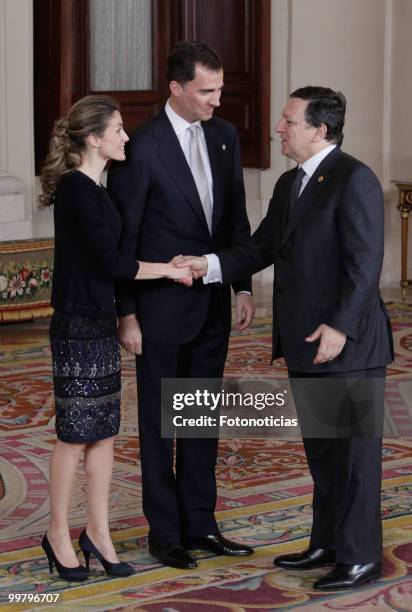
pixel 86 256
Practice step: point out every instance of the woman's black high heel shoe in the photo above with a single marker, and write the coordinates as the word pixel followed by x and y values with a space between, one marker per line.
pixel 74 574
pixel 112 569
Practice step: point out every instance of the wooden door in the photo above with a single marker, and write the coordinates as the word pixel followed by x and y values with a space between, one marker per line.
pixel 238 29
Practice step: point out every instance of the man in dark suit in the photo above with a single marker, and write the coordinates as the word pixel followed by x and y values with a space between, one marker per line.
pixel 324 233
pixel 181 191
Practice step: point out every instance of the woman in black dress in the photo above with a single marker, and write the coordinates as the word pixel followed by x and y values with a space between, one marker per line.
pixel 83 330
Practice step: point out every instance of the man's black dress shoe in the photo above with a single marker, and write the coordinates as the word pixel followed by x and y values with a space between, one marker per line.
pixel 173 555
pixel 219 545
pixel 308 559
pixel 345 576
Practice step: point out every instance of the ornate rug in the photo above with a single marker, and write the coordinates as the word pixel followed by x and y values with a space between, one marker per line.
pixel 264 499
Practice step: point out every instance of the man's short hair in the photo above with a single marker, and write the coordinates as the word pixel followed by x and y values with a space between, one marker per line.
pixel 325 106
pixel 182 60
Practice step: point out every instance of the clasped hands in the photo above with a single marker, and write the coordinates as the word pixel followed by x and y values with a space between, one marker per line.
pixel 195 266
pixel 184 269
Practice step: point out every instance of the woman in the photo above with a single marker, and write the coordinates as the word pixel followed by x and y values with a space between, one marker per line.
pixel 83 333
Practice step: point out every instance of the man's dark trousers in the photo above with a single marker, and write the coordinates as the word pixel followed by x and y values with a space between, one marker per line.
pixel 347 476
pixel 180 502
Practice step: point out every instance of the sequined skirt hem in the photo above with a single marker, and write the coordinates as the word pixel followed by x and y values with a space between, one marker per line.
pixel 86 376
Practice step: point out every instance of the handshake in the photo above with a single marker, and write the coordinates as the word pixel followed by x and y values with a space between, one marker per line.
pixel 186 268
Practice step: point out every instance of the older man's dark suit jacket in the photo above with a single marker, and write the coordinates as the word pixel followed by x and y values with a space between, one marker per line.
pixel 328 258
pixel 162 217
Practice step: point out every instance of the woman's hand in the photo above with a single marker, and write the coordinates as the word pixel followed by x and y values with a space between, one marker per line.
pixel 180 275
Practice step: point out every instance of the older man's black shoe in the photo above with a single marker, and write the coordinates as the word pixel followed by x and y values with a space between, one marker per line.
pixel 345 576
pixel 219 545
pixel 173 555
pixel 308 559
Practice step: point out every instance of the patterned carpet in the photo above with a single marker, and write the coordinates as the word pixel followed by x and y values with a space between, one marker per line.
pixel 264 499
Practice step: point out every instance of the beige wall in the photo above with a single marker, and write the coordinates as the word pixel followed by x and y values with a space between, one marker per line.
pixel 336 43
pixel 361 47
pixel 16 105
pixel 401 116
pixel 350 45
pixel 399 159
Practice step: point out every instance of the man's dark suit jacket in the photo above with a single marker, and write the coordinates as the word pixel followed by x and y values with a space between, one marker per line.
pixel 328 259
pixel 162 217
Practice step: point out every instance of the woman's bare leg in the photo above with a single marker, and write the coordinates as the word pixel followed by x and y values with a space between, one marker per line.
pixel 63 464
pixel 98 465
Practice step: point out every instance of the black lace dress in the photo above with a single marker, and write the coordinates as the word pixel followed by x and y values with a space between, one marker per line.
pixel 83 330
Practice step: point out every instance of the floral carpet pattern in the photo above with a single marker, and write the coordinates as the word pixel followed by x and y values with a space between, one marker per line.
pixel 264 499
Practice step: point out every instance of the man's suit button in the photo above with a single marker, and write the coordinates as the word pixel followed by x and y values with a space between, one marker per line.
pixel 280 290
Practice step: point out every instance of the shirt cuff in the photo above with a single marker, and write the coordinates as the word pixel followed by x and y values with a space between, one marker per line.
pixel 214 271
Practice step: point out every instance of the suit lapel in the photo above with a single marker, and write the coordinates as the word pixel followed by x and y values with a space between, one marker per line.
pixel 284 197
pixel 215 149
pixel 317 183
pixel 172 157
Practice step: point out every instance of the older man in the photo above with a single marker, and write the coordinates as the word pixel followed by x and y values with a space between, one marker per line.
pixel 324 233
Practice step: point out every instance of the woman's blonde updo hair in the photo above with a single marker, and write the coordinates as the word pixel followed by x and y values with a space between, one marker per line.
pixel 89 115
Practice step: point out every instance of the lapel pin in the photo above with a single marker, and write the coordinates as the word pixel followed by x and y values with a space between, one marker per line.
pixel 320 179
pixel 223 147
